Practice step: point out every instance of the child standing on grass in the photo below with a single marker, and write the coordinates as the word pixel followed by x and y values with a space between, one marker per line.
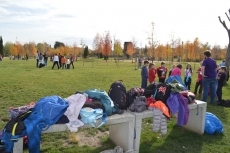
pixel 221 77
pixel 198 81
pixel 188 76
pixel 152 73
pixel 144 75
pixel 161 72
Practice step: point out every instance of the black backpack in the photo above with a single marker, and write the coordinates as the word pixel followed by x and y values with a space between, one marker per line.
pixel 162 92
pixel 117 93
pixel 132 93
pixel 150 90
pixel 16 126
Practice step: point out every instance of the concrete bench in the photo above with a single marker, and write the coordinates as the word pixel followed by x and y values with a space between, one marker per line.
pixel 195 123
pixel 121 131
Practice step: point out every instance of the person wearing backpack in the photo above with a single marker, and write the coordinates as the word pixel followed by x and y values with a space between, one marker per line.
pixel 144 75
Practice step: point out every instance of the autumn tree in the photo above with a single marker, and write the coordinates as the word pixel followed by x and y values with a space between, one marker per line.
pixel 97 44
pixel 117 48
pixel 1 45
pixel 152 42
pixel 7 48
pixel 106 45
pixel 196 47
pixel 130 49
pixel 75 50
pixel 86 52
pixel 227 61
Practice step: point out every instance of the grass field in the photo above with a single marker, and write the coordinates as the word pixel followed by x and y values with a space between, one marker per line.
pixel 21 82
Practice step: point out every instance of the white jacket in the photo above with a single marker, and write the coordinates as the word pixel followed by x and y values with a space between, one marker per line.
pixel 159 121
pixel 75 104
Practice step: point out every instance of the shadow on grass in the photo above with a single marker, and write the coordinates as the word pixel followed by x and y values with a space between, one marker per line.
pixel 178 140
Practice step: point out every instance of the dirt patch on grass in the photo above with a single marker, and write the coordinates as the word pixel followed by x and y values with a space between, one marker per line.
pixel 81 138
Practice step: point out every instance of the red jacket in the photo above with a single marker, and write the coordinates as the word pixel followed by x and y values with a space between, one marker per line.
pixel 152 75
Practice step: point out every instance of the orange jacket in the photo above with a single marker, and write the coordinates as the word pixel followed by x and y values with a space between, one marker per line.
pixel 63 60
pixel 160 105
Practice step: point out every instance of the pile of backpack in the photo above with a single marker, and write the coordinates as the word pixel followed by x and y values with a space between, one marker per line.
pixel 87 107
pixel 137 99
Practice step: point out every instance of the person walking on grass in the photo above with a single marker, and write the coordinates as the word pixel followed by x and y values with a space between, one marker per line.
pixel 55 61
pixel 71 60
pixel 209 81
pixel 198 81
pixel 161 72
pixel 221 77
pixel 37 58
pixel 188 76
pixel 144 75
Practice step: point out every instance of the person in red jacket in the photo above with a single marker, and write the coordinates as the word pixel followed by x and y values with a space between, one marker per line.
pixel 152 73
pixel 161 72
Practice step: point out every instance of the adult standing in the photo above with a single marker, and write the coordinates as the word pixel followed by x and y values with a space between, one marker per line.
pixel 37 58
pixel 59 59
pixel 209 73
pixel 139 62
pixel 71 60
pixel 55 61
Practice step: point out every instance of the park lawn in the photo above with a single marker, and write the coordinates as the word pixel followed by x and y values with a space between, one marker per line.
pixel 21 82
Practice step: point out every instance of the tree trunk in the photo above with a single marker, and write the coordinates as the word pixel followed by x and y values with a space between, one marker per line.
pixel 227 61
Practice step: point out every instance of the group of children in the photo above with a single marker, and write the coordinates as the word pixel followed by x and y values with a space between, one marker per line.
pixel 149 73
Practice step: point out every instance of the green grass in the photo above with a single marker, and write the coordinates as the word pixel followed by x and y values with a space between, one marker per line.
pixel 21 82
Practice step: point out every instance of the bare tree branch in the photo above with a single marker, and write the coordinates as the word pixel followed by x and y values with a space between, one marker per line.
pixel 227 15
pixel 223 23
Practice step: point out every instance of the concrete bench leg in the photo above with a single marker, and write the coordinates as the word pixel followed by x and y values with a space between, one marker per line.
pixel 123 134
pixel 18 146
pixel 138 125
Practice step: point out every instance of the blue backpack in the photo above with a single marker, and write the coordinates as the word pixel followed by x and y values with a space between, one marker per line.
pixel 90 116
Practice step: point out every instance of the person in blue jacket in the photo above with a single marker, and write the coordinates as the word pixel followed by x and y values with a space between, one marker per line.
pixel 144 75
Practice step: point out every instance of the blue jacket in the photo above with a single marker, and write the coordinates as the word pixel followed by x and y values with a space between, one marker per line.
pixel 144 72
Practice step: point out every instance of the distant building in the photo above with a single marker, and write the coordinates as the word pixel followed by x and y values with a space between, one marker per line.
pixel 125 46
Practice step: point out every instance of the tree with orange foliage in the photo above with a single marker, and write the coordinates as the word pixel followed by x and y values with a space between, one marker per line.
pixel 130 49
pixel 106 46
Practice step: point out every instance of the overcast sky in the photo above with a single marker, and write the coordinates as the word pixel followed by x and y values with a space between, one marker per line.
pixel 70 21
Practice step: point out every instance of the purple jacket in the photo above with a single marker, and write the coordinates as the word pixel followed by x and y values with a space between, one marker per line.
pixel 177 103
pixel 184 101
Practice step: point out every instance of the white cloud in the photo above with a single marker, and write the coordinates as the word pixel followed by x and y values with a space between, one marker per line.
pixel 72 20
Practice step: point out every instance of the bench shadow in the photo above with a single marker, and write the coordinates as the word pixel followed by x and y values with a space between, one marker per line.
pixel 178 140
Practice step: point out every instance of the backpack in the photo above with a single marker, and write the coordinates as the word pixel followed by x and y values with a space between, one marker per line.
pixel 104 99
pixel 162 92
pixel 90 116
pixel 117 93
pixel 16 126
pixel 51 108
pixel 139 104
pixel 149 90
pixel 132 93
